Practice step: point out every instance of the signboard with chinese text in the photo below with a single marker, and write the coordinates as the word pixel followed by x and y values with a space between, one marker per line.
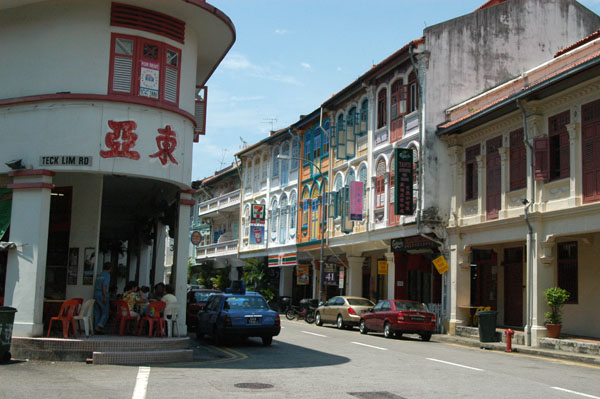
pixel 403 184
pixel 441 265
pixel 412 242
pixel 356 200
pixel 302 275
pixel 257 234
pixel 330 274
pixel 257 213
pixel 382 267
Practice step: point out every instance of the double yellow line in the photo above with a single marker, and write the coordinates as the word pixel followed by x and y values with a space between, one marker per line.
pixel 234 356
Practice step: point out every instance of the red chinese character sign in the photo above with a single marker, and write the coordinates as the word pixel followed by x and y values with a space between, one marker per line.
pixel 121 140
pixel 166 143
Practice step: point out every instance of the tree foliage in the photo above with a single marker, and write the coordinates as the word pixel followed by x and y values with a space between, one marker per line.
pixel 555 298
pixel 258 279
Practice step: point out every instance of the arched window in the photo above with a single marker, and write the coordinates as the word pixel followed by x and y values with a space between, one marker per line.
pixel 293 214
pixel 305 207
pixel 285 164
pixel 380 184
pixel 397 109
pixel 295 153
pixel 351 131
pixel 265 164
pixel 248 173
pixel 283 219
pixel 350 177
pixel 340 138
pixel 274 213
pixel 307 144
pixel 275 162
pixel 362 177
pixel 338 182
pixel 316 153
pixel 314 213
pixel 257 171
pixel 382 108
pixel 364 118
pixel 413 92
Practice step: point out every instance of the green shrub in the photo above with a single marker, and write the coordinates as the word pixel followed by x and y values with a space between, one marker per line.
pixel 555 298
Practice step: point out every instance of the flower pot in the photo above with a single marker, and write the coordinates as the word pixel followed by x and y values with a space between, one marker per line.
pixel 553 330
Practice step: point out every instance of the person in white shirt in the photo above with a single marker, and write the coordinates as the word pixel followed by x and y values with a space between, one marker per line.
pixel 169 298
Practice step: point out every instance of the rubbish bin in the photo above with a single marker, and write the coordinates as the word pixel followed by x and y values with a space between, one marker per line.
pixel 487 325
pixel 7 318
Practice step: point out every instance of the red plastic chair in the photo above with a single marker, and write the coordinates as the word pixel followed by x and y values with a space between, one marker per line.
pixel 79 303
pixel 123 316
pixel 65 316
pixel 155 309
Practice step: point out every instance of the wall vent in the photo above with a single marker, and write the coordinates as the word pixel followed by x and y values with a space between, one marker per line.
pixel 128 16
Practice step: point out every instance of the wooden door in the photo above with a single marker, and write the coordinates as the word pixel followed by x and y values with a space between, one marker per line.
pixel 493 178
pixel 513 287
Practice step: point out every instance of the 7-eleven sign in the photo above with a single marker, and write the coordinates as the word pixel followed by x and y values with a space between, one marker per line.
pixel 257 213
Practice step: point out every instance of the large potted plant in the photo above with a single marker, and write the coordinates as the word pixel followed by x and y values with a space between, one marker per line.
pixel 555 297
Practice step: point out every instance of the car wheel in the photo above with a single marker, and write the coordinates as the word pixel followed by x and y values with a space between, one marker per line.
pixel 426 336
pixel 340 322
pixel 267 340
pixel 387 330
pixel 318 320
pixel 362 327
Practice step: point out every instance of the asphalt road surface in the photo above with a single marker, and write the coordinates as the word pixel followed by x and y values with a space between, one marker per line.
pixel 306 361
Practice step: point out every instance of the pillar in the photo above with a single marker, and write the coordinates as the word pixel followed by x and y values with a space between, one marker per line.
pixel 181 253
pixel 391 276
pixel 355 275
pixel 26 266
pixel 145 264
pixel 159 265
pixel 542 278
pixel 575 157
pixel 286 281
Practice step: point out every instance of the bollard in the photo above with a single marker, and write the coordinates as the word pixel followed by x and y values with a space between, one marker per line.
pixel 509 333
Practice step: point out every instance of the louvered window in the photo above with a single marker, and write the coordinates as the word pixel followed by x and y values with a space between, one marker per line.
pixel 559 145
pixel 518 161
pixel 380 185
pixel 471 175
pixel 132 17
pixel 381 109
pixel 146 68
pixel 200 112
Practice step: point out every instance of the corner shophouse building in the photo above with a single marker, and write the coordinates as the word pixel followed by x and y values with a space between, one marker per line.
pixel 100 105
pixel 546 154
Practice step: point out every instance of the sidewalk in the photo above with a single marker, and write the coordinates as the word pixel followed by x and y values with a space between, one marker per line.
pixel 563 349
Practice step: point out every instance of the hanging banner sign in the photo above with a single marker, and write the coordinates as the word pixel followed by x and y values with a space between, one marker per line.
pixel 403 184
pixel 356 200
pixel 302 275
pixel 330 274
pixel 382 267
pixel 257 234
pixel 441 265
pixel 257 213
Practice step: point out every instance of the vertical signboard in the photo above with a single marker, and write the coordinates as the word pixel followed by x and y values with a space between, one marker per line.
pixel 257 213
pixel 302 275
pixel 403 193
pixel 330 275
pixel 356 200
pixel 345 207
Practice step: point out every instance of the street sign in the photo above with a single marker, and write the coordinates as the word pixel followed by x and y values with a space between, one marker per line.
pixel 196 237
pixel 403 183
pixel 441 265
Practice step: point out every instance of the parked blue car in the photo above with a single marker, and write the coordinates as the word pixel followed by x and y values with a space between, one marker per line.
pixel 241 315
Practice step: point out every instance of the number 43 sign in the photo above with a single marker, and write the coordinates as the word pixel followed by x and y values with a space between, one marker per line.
pixel 257 213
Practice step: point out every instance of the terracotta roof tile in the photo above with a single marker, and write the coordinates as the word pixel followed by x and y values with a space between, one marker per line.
pixel 581 42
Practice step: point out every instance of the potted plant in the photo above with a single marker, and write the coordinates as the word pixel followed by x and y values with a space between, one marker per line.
pixel 555 297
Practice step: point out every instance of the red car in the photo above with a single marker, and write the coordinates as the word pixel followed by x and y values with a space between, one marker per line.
pixel 395 317
pixel 196 301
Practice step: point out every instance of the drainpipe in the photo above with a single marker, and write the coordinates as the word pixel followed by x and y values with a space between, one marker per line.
pixel 530 246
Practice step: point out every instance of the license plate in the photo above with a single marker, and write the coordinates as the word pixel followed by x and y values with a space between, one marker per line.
pixel 417 318
pixel 253 320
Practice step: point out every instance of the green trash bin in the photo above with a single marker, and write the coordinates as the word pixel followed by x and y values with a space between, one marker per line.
pixel 7 318
pixel 487 325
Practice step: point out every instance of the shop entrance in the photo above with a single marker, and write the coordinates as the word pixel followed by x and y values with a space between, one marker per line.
pixel 484 273
pixel 513 287
pixel 58 243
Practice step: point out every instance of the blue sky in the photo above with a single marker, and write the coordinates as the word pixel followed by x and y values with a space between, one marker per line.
pixel 292 55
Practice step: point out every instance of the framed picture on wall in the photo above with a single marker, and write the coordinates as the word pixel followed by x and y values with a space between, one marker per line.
pixel 73 266
pixel 89 259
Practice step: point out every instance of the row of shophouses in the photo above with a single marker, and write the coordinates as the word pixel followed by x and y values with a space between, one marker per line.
pixel 502 116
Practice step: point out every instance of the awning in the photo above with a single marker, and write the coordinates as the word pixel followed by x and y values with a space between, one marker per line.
pixel 5 207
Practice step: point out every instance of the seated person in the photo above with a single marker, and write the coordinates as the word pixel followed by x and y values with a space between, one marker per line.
pixel 158 292
pixel 132 298
pixel 169 298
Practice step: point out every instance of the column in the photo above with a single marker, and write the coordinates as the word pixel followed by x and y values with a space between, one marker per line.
pixel 504 183
pixel 542 278
pixel 286 274
pixel 316 279
pixel 481 203
pixel 535 128
pixel 159 262
pixel 456 171
pixel 575 165
pixel 391 276
pixel 180 256
pixel 355 275
pixel 145 262
pixel 386 193
pixel 26 266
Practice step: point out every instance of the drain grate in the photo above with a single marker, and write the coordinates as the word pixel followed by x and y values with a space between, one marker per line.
pixel 253 385
pixel 375 395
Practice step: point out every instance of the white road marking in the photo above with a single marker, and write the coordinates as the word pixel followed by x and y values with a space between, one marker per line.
pixel 576 393
pixel 311 333
pixel 370 346
pixel 454 364
pixel 141 383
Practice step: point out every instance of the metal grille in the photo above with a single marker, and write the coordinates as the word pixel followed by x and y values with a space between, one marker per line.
pixel 122 74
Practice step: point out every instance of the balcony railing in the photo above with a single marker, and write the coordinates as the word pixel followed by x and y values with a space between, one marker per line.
pixel 216 250
pixel 217 204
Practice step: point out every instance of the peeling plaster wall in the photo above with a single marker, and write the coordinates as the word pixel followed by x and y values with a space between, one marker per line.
pixel 481 50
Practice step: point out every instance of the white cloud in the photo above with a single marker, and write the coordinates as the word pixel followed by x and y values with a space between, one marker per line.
pixel 240 63
pixel 281 31
pixel 339 69
pixel 305 65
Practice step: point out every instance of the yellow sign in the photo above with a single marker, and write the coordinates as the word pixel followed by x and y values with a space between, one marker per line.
pixel 382 267
pixel 441 265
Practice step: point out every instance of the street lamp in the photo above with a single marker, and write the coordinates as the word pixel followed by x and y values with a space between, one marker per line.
pixel 287 158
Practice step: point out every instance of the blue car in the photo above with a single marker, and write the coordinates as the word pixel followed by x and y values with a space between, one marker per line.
pixel 241 315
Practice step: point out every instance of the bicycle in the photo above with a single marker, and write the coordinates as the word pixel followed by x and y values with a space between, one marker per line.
pixel 308 314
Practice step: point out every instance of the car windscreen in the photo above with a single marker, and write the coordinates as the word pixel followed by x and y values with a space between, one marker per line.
pixel 245 302
pixel 411 306
pixel 202 296
pixel 359 302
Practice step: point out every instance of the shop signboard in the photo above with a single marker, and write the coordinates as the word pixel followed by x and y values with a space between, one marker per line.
pixel 330 274
pixel 302 275
pixel 441 265
pixel 403 184
pixel 257 213
pixel 382 267
pixel 412 242
pixel 356 200
pixel 257 234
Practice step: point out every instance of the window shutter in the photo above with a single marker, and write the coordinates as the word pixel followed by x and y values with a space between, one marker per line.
pixel 200 112
pixel 364 118
pixel 350 136
pixel 396 130
pixel 122 74
pixel 541 148
pixel 565 162
pixel 341 139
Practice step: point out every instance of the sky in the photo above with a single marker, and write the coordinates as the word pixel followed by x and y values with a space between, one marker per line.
pixel 290 56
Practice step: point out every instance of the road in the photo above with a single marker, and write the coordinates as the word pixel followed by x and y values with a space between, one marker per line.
pixel 306 361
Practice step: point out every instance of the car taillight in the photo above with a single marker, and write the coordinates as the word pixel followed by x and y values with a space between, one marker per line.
pixel 277 320
pixel 228 321
pixel 351 311
pixel 432 317
pixel 400 316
